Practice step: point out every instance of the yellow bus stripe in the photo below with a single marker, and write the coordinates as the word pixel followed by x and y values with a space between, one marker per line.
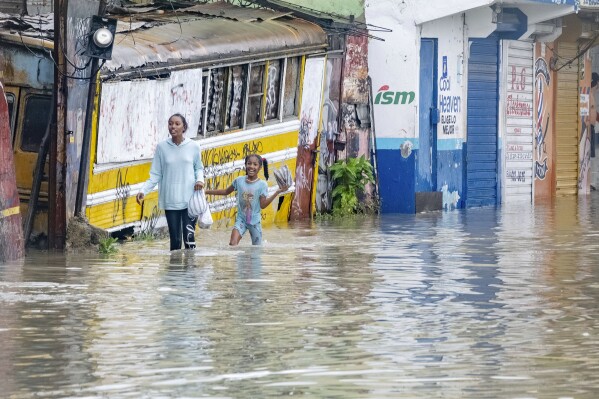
pixel 9 212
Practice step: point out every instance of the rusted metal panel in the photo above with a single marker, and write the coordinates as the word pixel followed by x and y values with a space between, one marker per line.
pixel 306 155
pixel 139 111
pixel 36 26
pixel 355 94
pixel 11 232
pixel 22 67
pixel 179 40
pixel 355 83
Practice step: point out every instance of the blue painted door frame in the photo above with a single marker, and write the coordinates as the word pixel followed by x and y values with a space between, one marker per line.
pixel 483 109
pixel 426 163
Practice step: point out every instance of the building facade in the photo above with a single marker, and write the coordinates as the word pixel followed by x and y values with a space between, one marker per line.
pixel 467 106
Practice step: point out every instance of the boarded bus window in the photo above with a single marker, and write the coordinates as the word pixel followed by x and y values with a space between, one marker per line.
pixel 273 89
pixel 255 95
pixel 235 94
pixel 37 109
pixel 10 98
pixel 205 90
pixel 216 93
pixel 291 91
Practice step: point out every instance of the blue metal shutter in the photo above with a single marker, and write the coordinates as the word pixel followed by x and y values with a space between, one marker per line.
pixel 481 148
pixel 426 176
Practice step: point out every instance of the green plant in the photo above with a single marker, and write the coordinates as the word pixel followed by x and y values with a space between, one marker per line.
pixel 350 177
pixel 108 245
pixel 145 236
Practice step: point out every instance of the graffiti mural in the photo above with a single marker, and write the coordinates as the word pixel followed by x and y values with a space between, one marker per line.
pixel 584 146
pixel 543 128
pixel 149 223
pixel 543 79
pixel 329 128
pixel 123 191
pixel 306 156
pixel 272 90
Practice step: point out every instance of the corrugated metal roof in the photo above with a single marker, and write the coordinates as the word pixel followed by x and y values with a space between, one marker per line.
pixel 38 26
pixel 188 37
pixel 12 6
pixel 228 10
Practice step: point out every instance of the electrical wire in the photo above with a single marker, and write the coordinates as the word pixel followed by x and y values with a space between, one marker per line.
pixel 90 77
pixel 180 27
pixel 65 56
pixel 582 52
pixel 27 47
pixel 130 31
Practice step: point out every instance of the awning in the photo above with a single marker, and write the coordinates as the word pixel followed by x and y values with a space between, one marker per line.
pixel 208 34
pixel 544 9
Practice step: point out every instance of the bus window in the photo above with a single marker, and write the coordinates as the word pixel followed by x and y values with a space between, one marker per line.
pixel 37 109
pixel 291 92
pixel 10 98
pixel 273 89
pixel 214 106
pixel 235 97
pixel 256 94
pixel 202 126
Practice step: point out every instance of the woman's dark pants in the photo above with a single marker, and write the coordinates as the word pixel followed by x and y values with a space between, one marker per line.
pixel 181 226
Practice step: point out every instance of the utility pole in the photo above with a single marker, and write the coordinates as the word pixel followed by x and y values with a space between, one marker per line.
pixel 87 130
pixel 57 223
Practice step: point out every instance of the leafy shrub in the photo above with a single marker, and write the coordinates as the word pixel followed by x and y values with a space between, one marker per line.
pixel 108 245
pixel 350 177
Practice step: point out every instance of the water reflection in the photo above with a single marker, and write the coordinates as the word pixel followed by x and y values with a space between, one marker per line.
pixel 480 303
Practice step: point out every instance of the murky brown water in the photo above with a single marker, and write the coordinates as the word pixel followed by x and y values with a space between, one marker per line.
pixel 482 303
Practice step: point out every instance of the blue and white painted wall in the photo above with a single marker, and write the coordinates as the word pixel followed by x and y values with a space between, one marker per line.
pixel 451 103
pixel 406 104
pixel 400 107
pixel 393 66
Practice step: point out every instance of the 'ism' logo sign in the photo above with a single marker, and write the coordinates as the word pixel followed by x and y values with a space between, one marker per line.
pixel 385 96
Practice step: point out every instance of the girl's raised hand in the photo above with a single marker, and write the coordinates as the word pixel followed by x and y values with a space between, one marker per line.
pixel 140 198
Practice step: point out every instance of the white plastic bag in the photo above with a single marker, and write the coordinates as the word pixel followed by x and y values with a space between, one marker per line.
pixel 205 220
pixel 198 208
pixel 283 177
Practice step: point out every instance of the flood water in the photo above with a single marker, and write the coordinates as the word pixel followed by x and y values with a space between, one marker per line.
pixel 483 303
